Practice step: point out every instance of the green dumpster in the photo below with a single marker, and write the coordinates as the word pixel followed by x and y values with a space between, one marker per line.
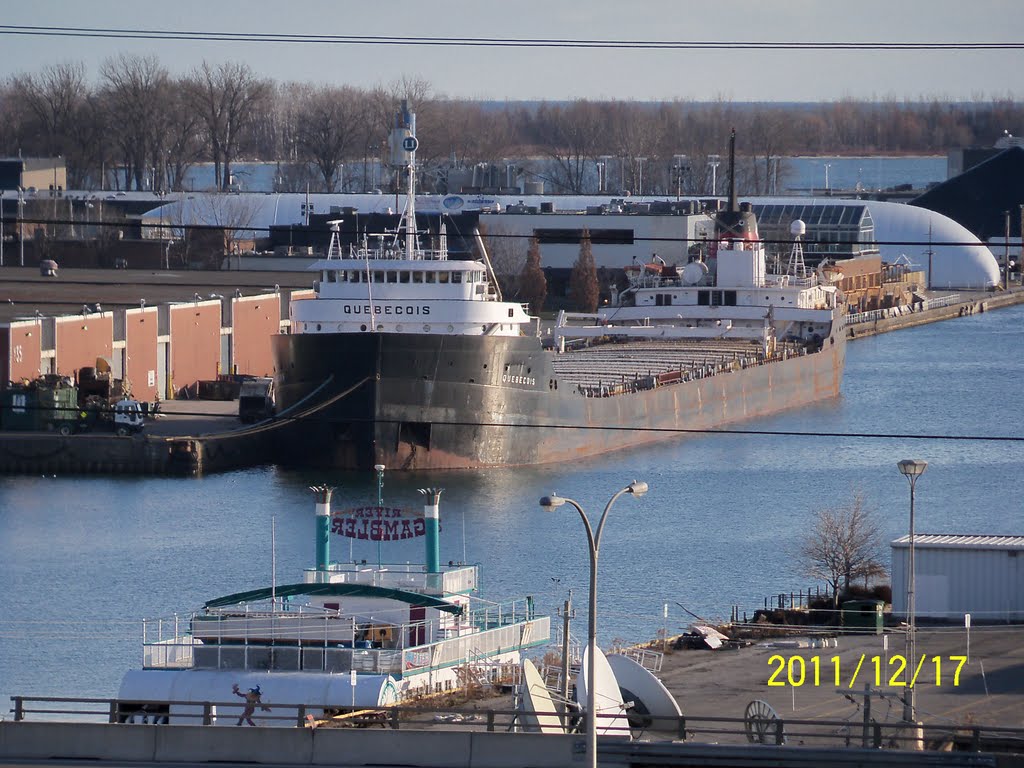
pixel 863 614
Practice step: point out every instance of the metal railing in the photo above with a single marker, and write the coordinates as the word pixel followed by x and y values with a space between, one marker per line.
pixel 869 733
pixel 874 315
pixel 499 628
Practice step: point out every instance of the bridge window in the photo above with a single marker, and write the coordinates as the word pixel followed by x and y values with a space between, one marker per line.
pixel 378 276
pixel 392 277
pixel 431 277
pixel 403 277
pixel 456 277
pixel 443 277
pixel 417 277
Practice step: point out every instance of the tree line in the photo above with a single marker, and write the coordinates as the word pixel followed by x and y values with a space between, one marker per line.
pixel 137 126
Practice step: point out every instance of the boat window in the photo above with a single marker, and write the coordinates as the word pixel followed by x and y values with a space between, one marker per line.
pixel 392 277
pixel 431 277
pixel 417 277
pixel 456 277
pixel 442 277
pixel 403 277
pixel 378 276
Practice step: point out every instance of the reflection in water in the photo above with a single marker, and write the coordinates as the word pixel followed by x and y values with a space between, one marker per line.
pixel 84 559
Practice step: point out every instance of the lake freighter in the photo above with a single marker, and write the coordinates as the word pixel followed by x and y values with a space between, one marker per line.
pixel 413 360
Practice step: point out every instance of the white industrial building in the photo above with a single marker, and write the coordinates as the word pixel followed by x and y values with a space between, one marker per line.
pixel 953 257
pixel 956 574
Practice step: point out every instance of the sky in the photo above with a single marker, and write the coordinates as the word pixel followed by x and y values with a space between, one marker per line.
pixel 500 73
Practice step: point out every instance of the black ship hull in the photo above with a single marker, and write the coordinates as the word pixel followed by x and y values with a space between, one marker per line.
pixel 415 402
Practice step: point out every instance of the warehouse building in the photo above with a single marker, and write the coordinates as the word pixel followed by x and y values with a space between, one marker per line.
pixel 956 574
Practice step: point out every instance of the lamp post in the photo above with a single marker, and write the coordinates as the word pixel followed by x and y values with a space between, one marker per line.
pixel 379 468
pixel 679 167
pixel 21 232
pixel 827 188
pixel 714 161
pixel 636 488
pixel 605 165
pixel 640 162
pixel 911 469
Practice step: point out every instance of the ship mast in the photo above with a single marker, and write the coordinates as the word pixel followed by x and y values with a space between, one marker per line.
pixel 403 143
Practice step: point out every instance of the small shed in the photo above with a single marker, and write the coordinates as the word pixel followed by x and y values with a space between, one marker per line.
pixel 982 575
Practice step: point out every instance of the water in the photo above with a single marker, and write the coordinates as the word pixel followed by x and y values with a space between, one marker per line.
pixel 807 174
pixel 800 175
pixel 83 560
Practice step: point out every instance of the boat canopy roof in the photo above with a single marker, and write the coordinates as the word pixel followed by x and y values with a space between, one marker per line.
pixel 335 590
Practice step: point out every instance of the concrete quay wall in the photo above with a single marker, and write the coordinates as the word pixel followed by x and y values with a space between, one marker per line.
pixel 51 454
pixel 976 304
pixel 168 745
pixel 284 746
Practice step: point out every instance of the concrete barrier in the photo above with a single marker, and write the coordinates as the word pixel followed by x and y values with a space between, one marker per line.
pixel 426 749
pixel 89 741
pixel 526 750
pixel 197 744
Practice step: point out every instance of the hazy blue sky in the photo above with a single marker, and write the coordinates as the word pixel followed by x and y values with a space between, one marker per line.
pixel 512 73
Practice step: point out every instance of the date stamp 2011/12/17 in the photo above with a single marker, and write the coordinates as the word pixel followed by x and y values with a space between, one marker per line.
pixel 894 672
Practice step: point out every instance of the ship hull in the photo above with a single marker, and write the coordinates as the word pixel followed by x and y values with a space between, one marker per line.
pixel 419 402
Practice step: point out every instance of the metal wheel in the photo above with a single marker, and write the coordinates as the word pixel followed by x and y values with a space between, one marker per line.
pixel 759 721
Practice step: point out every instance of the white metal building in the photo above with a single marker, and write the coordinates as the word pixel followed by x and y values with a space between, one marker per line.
pixel 957 574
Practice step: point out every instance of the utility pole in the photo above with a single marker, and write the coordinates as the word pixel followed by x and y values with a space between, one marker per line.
pixel 568 614
pixel 1006 251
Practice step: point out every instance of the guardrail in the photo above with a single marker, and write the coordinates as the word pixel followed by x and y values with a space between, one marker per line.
pixel 866 733
pixel 875 315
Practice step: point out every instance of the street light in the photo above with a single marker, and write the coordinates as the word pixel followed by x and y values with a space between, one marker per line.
pixel 379 468
pixel 714 161
pixel 640 162
pixel 21 232
pixel 594 542
pixel 827 188
pixel 911 469
pixel 680 166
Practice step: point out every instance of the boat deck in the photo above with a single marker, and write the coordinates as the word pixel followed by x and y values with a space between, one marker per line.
pixel 615 364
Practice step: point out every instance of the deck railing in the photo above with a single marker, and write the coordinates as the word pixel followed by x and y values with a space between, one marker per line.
pixel 493 629
pixel 809 733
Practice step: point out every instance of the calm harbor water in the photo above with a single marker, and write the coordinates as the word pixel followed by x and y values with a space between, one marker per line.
pixel 84 559
pixel 797 175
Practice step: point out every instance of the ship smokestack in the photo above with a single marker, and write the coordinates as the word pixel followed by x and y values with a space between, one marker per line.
pixel 323 526
pixel 431 516
pixel 733 206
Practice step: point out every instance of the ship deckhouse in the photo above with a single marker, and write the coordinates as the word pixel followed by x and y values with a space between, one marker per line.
pixel 392 285
pixel 384 293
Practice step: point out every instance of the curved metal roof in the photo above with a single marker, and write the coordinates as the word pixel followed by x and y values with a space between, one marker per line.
pixel 335 590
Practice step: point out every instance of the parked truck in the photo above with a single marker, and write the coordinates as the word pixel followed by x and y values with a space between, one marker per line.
pixel 256 400
pixel 53 403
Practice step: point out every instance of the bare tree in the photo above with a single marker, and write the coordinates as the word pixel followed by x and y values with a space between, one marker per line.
pixel 328 130
pixel 226 98
pixel 53 98
pixel 533 284
pixel 507 257
pixel 136 89
pixel 583 279
pixel 844 543
pixel 569 136
pixel 181 129
pixel 223 221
